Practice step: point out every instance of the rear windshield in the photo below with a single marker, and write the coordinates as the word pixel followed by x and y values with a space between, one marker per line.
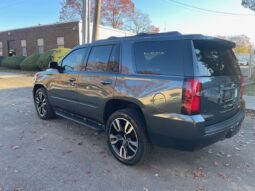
pixel 159 57
pixel 215 58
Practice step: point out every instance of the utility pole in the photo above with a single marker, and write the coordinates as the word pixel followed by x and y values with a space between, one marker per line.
pixel 86 6
pixel 88 20
pixel 96 20
pixel 84 21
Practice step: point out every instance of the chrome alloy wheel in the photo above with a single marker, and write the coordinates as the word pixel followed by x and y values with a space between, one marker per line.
pixel 123 138
pixel 41 105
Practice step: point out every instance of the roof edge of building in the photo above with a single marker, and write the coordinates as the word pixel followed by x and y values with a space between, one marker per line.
pixel 37 26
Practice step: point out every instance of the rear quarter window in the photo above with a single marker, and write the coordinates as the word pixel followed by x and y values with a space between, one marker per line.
pixel 159 57
pixel 215 58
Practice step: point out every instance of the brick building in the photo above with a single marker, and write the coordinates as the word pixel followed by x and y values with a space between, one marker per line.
pixel 38 39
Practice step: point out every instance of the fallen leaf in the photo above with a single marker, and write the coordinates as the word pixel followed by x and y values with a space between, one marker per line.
pixel 222 153
pixel 52 167
pixel 199 173
pixel 1 187
pixel 106 171
pixel 66 152
pixel 18 189
pixel 15 147
pixel 200 188
pixel 216 163
pixel 222 175
pixel 219 155
pixel 210 151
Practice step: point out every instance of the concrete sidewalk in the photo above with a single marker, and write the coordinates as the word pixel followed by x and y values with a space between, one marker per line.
pixel 10 75
pixel 250 102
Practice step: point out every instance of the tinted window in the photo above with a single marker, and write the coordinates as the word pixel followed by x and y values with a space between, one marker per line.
pixel 74 61
pixel 215 58
pixel 159 57
pixel 98 58
pixel 113 64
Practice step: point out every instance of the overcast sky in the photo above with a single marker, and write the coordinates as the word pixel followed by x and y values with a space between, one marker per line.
pixel 166 14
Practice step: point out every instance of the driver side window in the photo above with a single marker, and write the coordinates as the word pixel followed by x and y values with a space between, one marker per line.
pixel 74 61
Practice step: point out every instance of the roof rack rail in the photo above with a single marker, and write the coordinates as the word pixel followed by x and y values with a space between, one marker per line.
pixel 174 33
pixel 112 38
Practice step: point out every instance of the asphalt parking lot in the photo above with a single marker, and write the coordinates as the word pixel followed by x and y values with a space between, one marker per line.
pixel 37 155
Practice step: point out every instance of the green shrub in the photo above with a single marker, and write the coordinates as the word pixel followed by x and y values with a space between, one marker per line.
pixel 13 62
pixel 30 63
pixel 51 55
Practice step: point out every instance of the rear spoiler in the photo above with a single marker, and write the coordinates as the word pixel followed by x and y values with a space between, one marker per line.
pixel 217 42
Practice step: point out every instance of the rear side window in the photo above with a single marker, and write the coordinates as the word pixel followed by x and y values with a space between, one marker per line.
pixel 215 58
pixel 159 57
pixel 98 58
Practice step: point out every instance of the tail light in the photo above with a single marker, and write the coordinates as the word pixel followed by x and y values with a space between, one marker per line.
pixel 191 97
pixel 242 85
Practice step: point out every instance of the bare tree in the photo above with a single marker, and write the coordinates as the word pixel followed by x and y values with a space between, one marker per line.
pixel 140 22
pixel 115 12
pixel 120 14
pixel 72 10
pixel 243 44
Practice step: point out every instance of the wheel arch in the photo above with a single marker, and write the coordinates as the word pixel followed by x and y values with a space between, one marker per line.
pixel 36 87
pixel 114 105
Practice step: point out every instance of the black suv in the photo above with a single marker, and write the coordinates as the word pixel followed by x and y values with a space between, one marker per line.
pixel 168 89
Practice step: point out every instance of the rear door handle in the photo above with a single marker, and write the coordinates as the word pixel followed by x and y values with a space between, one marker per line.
pixel 106 82
pixel 72 79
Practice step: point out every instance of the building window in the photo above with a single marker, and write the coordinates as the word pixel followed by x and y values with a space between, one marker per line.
pixel 1 49
pixel 24 47
pixel 40 45
pixel 60 42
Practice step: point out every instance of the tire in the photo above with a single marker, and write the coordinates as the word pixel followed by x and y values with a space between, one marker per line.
pixel 43 107
pixel 128 143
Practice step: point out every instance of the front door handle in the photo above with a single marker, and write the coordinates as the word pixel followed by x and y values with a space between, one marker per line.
pixel 106 82
pixel 72 79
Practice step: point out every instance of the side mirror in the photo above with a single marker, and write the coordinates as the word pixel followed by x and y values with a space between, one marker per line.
pixel 53 65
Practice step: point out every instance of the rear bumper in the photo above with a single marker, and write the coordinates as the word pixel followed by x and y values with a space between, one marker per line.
pixel 190 132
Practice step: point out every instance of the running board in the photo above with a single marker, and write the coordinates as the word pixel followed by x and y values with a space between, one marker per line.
pixel 81 120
